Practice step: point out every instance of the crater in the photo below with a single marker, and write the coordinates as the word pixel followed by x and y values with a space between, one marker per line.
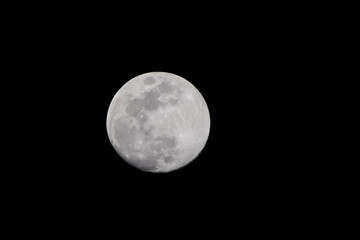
pixel 149 81
pixel 147 134
pixel 165 87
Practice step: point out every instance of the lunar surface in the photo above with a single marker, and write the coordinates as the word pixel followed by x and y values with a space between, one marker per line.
pixel 158 122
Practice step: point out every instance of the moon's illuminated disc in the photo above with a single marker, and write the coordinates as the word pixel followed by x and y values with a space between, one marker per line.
pixel 158 122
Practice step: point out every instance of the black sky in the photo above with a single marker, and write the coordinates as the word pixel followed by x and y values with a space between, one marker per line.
pixel 249 68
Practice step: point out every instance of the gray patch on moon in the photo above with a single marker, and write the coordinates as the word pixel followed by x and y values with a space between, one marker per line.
pixel 173 102
pixel 165 87
pixel 134 107
pixel 142 119
pixel 148 165
pixel 151 101
pixel 145 130
pixel 168 159
pixel 149 81
pixel 123 134
pixel 165 143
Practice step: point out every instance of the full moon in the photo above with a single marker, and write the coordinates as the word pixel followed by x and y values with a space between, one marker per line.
pixel 158 122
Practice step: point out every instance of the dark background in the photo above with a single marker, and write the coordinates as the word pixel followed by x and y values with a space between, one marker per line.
pixel 251 65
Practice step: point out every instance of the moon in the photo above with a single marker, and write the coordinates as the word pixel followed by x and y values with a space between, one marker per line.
pixel 158 122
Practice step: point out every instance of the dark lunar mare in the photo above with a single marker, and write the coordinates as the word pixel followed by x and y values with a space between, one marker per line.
pixel 134 107
pixel 149 80
pixel 165 87
pixel 168 159
pixel 150 102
